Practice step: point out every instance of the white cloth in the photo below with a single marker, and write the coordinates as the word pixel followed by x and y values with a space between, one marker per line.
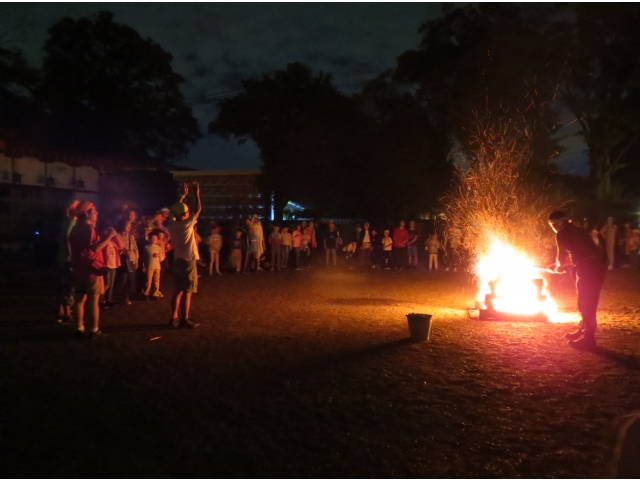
pixel 183 239
pixel 257 228
pixel 153 263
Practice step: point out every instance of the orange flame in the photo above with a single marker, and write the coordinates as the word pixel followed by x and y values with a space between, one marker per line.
pixel 514 274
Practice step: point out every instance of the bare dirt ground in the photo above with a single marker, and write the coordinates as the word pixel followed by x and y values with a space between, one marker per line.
pixel 310 374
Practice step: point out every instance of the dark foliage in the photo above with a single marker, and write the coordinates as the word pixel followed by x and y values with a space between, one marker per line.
pixel 110 92
pixel 374 153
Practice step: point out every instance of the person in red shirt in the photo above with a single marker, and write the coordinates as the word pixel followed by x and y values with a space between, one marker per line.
pixel 88 265
pixel 400 244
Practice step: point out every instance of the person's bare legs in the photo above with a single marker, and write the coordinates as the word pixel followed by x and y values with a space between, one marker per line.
pixel 187 304
pixel 80 299
pixel 175 303
pixel 216 258
pixel 94 302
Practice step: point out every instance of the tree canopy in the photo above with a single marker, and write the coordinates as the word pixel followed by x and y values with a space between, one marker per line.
pixel 109 91
pixel 370 154
pixel 596 54
pixel 515 60
pixel 17 83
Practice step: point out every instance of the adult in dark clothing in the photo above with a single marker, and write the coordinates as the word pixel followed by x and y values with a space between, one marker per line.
pixel 577 251
pixel 364 245
pixel 332 241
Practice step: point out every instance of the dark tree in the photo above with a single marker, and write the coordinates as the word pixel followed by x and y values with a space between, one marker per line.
pixel 484 60
pixel 300 123
pixel 596 52
pixel 17 83
pixel 405 168
pixel 111 92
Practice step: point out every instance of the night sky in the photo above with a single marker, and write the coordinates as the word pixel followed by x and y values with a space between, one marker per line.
pixel 215 46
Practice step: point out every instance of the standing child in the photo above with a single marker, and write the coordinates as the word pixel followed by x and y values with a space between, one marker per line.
pixel 112 262
pixel 296 241
pixel 151 266
pixel 129 262
pixel 285 248
pixel 214 242
pixel 236 251
pixel 387 248
pixel 253 248
pixel 275 241
pixel 432 245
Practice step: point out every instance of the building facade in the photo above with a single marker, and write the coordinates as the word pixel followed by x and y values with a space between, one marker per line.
pixel 33 194
pixel 226 194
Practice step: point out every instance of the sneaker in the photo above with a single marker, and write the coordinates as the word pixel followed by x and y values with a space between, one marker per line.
pixel 610 267
pixel 187 323
pixel 94 335
pixel 219 273
pixel 127 301
pixel 585 343
pixel 174 322
pixel 160 295
pixel 574 336
pixel 626 266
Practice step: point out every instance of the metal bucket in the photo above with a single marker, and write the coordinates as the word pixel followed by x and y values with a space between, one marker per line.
pixel 419 326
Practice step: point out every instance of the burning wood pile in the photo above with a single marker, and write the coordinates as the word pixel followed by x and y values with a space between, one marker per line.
pixel 511 287
pixel 504 225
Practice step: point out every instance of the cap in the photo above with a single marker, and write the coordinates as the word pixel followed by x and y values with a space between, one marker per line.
pixel 178 209
pixel 164 209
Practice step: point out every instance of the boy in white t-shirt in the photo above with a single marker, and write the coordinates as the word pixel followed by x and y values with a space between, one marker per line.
pixel 151 266
pixel 387 247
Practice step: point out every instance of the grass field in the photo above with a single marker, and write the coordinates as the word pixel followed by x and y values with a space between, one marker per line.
pixel 310 374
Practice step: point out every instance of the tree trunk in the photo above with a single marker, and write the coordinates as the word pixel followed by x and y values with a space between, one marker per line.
pixel 601 174
pixel 603 178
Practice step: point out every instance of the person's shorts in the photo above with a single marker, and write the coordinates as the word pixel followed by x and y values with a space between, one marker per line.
pixel 89 286
pixel 185 274
pixel 412 250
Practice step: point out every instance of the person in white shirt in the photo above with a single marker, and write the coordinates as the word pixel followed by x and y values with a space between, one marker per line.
pixel 214 243
pixel 185 247
pixel 152 266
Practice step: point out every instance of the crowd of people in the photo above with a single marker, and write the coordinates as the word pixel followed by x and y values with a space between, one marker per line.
pixel 618 246
pixel 125 257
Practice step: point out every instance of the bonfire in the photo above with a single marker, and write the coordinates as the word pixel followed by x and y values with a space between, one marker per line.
pixel 504 223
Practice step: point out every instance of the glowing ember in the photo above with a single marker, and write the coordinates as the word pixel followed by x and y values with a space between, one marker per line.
pixel 517 285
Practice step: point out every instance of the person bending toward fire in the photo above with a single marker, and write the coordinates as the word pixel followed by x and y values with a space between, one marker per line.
pixel 578 253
